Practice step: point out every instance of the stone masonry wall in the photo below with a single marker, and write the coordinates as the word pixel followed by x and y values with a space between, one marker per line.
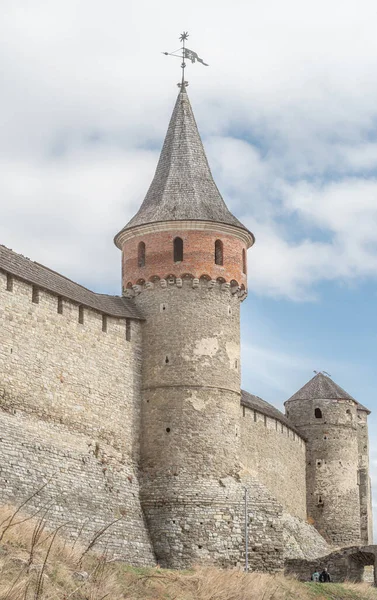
pixel 190 377
pixel 75 374
pixel 89 485
pixel 347 564
pixel 202 521
pixel 70 411
pixel 365 494
pixel 276 456
pixel 301 540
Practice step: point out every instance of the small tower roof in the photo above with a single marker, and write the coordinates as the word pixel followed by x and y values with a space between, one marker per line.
pixel 321 387
pixel 183 187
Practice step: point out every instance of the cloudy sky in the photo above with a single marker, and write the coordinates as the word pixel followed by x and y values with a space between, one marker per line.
pixel 288 114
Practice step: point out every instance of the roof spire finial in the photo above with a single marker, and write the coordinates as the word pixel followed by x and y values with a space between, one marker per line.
pixel 186 53
pixel 182 38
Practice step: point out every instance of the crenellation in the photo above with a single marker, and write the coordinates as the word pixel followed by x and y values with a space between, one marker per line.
pixel 278 462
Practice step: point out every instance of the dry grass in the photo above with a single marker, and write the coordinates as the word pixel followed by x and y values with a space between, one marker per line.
pixel 35 565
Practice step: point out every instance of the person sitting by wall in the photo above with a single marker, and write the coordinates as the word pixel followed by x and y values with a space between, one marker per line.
pixel 325 576
pixel 315 576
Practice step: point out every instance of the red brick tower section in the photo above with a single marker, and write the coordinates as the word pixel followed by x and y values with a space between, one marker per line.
pixel 184 262
pixel 195 250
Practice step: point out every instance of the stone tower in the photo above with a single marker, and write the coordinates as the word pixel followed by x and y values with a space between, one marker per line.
pixel 184 262
pixel 337 470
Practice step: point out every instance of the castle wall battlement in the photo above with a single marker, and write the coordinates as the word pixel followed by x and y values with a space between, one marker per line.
pixel 186 280
pixel 70 415
pixel 276 456
pixel 69 372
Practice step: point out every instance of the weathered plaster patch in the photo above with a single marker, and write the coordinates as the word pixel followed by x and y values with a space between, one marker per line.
pixel 196 402
pixel 233 352
pixel 206 347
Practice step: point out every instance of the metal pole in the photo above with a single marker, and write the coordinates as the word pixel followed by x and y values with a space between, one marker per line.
pixel 246 534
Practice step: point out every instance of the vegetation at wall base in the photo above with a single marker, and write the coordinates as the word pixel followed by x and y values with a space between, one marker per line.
pixel 38 564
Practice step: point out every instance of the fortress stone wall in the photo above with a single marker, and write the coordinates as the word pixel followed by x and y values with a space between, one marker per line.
pixel 364 483
pixel 63 371
pixel 276 455
pixel 70 415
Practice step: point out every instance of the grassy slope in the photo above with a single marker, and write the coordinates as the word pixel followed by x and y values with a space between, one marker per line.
pixel 22 576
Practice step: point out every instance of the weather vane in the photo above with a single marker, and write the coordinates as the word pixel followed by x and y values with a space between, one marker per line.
pixel 184 53
pixel 324 373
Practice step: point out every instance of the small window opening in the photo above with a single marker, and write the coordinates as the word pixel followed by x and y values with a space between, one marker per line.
pixel 81 315
pixel 178 249
pixel 236 364
pixel 128 330
pixel 166 360
pixel 168 430
pixel 141 254
pixel 104 323
pixel 35 295
pixel 244 267
pixel 9 283
pixel 60 305
pixel 255 416
pixel 320 500
pixel 243 411
pixel 265 421
pixel 318 413
pixel 219 252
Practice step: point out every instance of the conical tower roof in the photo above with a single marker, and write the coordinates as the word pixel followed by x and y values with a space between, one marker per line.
pixel 183 187
pixel 321 387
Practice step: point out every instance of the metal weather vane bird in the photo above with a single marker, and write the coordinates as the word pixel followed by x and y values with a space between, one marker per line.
pixel 183 54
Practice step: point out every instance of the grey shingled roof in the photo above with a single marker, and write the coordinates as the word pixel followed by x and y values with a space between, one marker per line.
pixel 321 387
pixel 36 274
pixel 263 407
pixel 183 187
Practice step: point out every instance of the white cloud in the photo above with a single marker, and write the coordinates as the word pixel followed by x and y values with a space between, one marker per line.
pixel 70 208
pixel 287 105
